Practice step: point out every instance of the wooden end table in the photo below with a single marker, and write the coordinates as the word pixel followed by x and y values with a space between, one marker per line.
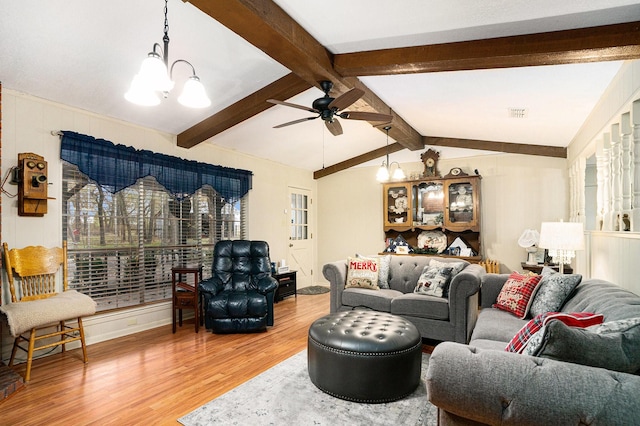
pixel 185 292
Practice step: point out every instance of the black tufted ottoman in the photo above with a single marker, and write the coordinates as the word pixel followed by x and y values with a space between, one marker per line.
pixel 364 356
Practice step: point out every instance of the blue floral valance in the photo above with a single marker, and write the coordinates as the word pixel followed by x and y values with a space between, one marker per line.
pixel 117 167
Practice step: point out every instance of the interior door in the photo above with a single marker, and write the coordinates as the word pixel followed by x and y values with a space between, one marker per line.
pixel 300 248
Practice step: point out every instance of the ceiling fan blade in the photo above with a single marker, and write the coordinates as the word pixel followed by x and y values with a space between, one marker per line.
pixel 334 127
pixel 367 116
pixel 301 120
pixel 277 102
pixel 346 99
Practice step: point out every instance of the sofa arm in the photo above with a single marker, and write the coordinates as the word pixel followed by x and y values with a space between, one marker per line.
pixel 496 387
pixel 490 288
pixel 336 274
pixel 463 301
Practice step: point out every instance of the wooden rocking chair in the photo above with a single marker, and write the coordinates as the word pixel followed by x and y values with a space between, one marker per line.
pixel 36 304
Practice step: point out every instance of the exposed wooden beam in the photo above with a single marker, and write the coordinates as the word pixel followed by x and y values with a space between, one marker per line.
pixel 371 155
pixel 284 88
pixel 512 148
pixel 507 147
pixel 595 44
pixel 265 25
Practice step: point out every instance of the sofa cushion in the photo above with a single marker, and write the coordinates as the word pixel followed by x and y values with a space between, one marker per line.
pixel 618 350
pixel 434 281
pixel 376 300
pixel 515 296
pixel 574 319
pixel 362 273
pixel 418 305
pixel 552 292
pixel 497 325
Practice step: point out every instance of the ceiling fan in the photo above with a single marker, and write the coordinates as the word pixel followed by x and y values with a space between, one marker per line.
pixel 328 109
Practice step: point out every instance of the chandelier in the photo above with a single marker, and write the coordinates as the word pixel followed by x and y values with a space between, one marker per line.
pixel 155 77
pixel 384 172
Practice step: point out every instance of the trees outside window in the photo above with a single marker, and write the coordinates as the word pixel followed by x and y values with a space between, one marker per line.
pixel 122 246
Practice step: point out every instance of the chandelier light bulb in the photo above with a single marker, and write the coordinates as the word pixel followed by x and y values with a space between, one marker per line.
pixel 193 94
pixel 140 93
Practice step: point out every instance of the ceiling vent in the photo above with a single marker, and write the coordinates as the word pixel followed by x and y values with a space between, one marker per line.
pixel 518 112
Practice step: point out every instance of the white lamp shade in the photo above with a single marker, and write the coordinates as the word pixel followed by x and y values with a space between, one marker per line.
pixel 562 236
pixel 398 173
pixel 529 238
pixel 383 174
pixel 141 93
pixel 193 95
pixel 154 72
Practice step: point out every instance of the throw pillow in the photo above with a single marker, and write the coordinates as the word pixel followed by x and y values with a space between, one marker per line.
pixel 456 266
pixel 552 292
pixel 434 281
pixel 515 296
pixel 618 351
pixel 384 263
pixel 526 333
pixel 362 273
pixel 615 326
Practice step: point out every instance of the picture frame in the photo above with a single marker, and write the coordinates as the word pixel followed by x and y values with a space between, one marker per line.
pixel 541 256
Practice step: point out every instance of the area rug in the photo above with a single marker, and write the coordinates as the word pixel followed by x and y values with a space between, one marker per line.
pixel 313 289
pixel 284 395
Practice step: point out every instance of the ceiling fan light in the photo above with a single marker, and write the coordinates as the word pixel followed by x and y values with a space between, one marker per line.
pixel 194 95
pixel 383 173
pixel 140 93
pixel 154 72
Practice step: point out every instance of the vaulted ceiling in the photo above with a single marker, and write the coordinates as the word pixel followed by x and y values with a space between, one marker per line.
pixel 447 71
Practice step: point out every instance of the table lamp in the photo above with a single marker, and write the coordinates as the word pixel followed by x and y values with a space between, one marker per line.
pixel 562 239
pixel 529 241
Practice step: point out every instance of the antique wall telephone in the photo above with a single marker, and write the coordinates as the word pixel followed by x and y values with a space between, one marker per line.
pixel 31 175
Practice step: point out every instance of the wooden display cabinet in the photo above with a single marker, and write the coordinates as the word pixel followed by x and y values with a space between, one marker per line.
pixel 450 207
pixel 397 206
pixel 462 204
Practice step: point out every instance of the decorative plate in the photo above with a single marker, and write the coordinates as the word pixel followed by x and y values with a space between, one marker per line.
pixel 432 239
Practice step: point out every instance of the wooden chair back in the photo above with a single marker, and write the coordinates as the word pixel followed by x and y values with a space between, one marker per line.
pixel 32 271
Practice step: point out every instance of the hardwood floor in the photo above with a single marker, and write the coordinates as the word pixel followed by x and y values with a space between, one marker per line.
pixel 155 377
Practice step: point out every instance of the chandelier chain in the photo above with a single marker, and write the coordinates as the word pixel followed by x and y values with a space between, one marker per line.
pixel 166 20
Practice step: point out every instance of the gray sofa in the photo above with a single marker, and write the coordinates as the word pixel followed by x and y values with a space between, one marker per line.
pixel 480 383
pixel 451 318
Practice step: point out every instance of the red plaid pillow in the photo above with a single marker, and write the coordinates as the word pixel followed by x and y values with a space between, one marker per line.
pixel 515 296
pixel 573 319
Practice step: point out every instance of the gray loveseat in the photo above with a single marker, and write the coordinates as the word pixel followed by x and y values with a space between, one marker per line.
pixel 451 318
pixel 480 383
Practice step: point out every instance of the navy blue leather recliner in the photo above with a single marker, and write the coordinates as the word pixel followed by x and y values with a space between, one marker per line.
pixel 239 295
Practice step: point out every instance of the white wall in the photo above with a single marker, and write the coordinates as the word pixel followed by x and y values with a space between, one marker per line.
pixel 609 255
pixel 518 192
pixel 27 123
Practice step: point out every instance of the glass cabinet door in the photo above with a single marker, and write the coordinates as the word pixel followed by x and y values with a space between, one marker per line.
pixel 397 205
pixel 461 205
pixel 428 204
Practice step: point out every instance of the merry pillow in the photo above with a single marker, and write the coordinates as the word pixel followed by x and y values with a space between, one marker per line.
pixel 362 273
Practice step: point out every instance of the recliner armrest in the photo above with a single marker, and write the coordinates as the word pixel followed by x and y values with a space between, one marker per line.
pixel 210 286
pixel 267 284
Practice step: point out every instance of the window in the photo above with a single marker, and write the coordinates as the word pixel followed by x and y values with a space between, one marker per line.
pixel 121 246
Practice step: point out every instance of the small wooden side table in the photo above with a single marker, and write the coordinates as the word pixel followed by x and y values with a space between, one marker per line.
pixel 538 268
pixel 286 285
pixel 185 292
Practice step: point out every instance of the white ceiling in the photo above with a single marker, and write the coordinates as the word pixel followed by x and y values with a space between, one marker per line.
pixel 85 53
